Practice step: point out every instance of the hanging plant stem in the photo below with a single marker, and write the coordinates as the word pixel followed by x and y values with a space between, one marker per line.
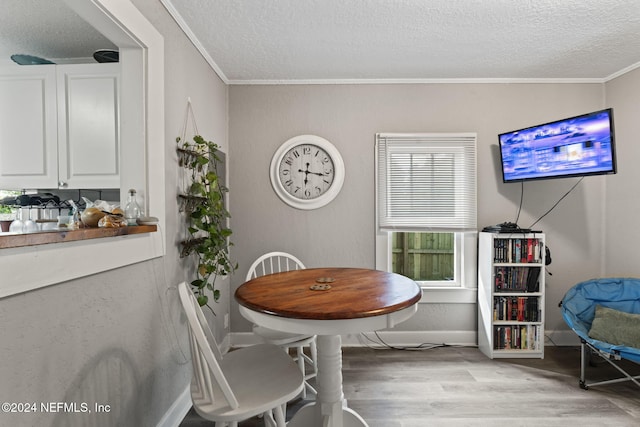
pixel 207 215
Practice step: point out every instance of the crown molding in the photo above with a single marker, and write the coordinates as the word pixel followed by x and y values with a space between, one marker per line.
pixel 168 5
pixel 417 81
pixel 192 37
pixel 622 72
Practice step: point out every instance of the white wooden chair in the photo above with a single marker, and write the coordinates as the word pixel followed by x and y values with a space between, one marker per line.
pixel 244 383
pixel 276 262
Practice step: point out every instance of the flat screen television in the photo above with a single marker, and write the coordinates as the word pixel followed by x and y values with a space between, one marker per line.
pixel 575 146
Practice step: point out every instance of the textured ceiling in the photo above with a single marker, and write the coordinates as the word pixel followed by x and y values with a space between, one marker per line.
pixel 391 40
pixel 257 40
pixel 48 29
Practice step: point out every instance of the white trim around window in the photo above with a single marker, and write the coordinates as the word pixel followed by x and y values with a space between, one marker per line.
pixel 426 182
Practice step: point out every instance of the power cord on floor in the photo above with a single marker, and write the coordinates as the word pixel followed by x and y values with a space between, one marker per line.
pixel 548 338
pixel 382 345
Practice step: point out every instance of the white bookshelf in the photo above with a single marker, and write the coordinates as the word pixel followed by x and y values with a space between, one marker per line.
pixel 511 284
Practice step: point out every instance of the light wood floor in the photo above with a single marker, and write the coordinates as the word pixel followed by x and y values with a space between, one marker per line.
pixel 452 386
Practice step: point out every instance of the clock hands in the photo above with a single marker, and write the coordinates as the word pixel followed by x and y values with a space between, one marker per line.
pixel 307 172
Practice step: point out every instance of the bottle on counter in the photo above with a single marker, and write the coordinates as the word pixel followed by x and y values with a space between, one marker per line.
pixel 132 209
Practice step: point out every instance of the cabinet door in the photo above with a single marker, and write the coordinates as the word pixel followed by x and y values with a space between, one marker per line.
pixel 28 139
pixel 88 126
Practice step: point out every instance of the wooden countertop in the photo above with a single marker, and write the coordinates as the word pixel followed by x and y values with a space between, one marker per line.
pixel 59 236
pixel 353 293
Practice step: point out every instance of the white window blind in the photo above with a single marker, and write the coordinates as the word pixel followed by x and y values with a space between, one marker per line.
pixel 426 182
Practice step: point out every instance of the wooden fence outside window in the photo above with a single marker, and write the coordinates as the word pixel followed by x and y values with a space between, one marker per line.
pixel 423 256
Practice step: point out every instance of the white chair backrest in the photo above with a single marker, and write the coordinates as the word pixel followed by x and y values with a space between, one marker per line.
pixel 274 262
pixel 205 353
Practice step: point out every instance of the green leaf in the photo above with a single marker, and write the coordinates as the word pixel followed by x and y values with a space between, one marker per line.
pixel 202 284
pixel 202 160
pixel 197 188
pixel 203 300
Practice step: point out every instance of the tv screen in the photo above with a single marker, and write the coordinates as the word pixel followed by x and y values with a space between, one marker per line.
pixel 576 146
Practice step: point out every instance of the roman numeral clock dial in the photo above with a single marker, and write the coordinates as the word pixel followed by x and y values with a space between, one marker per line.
pixel 307 172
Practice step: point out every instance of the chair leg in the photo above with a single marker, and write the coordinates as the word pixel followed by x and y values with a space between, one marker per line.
pixel 583 362
pixel 312 359
pixel 280 416
pixel 268 419
pixel 314 356
pixel 300 357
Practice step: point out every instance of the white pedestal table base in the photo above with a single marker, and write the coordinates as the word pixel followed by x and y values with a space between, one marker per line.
pixel 330 408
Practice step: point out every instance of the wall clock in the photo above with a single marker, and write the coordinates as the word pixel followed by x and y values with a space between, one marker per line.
pixel 307 172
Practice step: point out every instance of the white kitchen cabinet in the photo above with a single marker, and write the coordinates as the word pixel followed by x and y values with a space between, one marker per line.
pixel 88 133
pixel 70 124
pixel 28 127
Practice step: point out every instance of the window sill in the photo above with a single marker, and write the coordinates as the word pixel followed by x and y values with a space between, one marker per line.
pixel 433 295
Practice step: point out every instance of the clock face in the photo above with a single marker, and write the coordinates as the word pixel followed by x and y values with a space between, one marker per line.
pixel 306 171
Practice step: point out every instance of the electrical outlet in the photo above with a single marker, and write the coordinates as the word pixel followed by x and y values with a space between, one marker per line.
pixel 226 320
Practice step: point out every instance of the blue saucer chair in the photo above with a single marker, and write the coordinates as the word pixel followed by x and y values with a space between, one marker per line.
pixel 605 314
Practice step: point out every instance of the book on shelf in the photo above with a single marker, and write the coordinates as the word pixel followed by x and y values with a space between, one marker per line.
pixel 533 283
pixel 518 250
pixel 518 309
pixel 516 337
pixel 516 279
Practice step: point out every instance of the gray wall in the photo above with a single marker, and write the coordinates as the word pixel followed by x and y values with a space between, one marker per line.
pixel 342 233
pixel 118 337
pixel 622 198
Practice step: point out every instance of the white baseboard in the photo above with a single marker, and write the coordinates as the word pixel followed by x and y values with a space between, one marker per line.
pixel 176 413
pixel 561 338
pixel 392 338
pixel 225 345
pixel 415 338
pixel 410 338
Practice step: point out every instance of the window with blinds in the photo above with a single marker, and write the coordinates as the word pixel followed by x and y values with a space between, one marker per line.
pixel 426 181
pixel 425 205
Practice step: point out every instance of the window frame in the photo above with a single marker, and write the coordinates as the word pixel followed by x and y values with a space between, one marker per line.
pixel 463 288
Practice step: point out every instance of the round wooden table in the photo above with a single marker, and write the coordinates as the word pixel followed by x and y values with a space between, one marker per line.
pixel 328 302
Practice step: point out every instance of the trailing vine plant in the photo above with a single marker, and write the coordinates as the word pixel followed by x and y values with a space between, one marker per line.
pixel 204 205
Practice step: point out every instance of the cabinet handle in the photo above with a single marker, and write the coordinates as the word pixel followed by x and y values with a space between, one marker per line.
pixel 62 184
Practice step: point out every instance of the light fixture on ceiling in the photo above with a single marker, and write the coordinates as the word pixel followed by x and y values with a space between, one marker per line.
pixel 106 55
pixel 21 59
